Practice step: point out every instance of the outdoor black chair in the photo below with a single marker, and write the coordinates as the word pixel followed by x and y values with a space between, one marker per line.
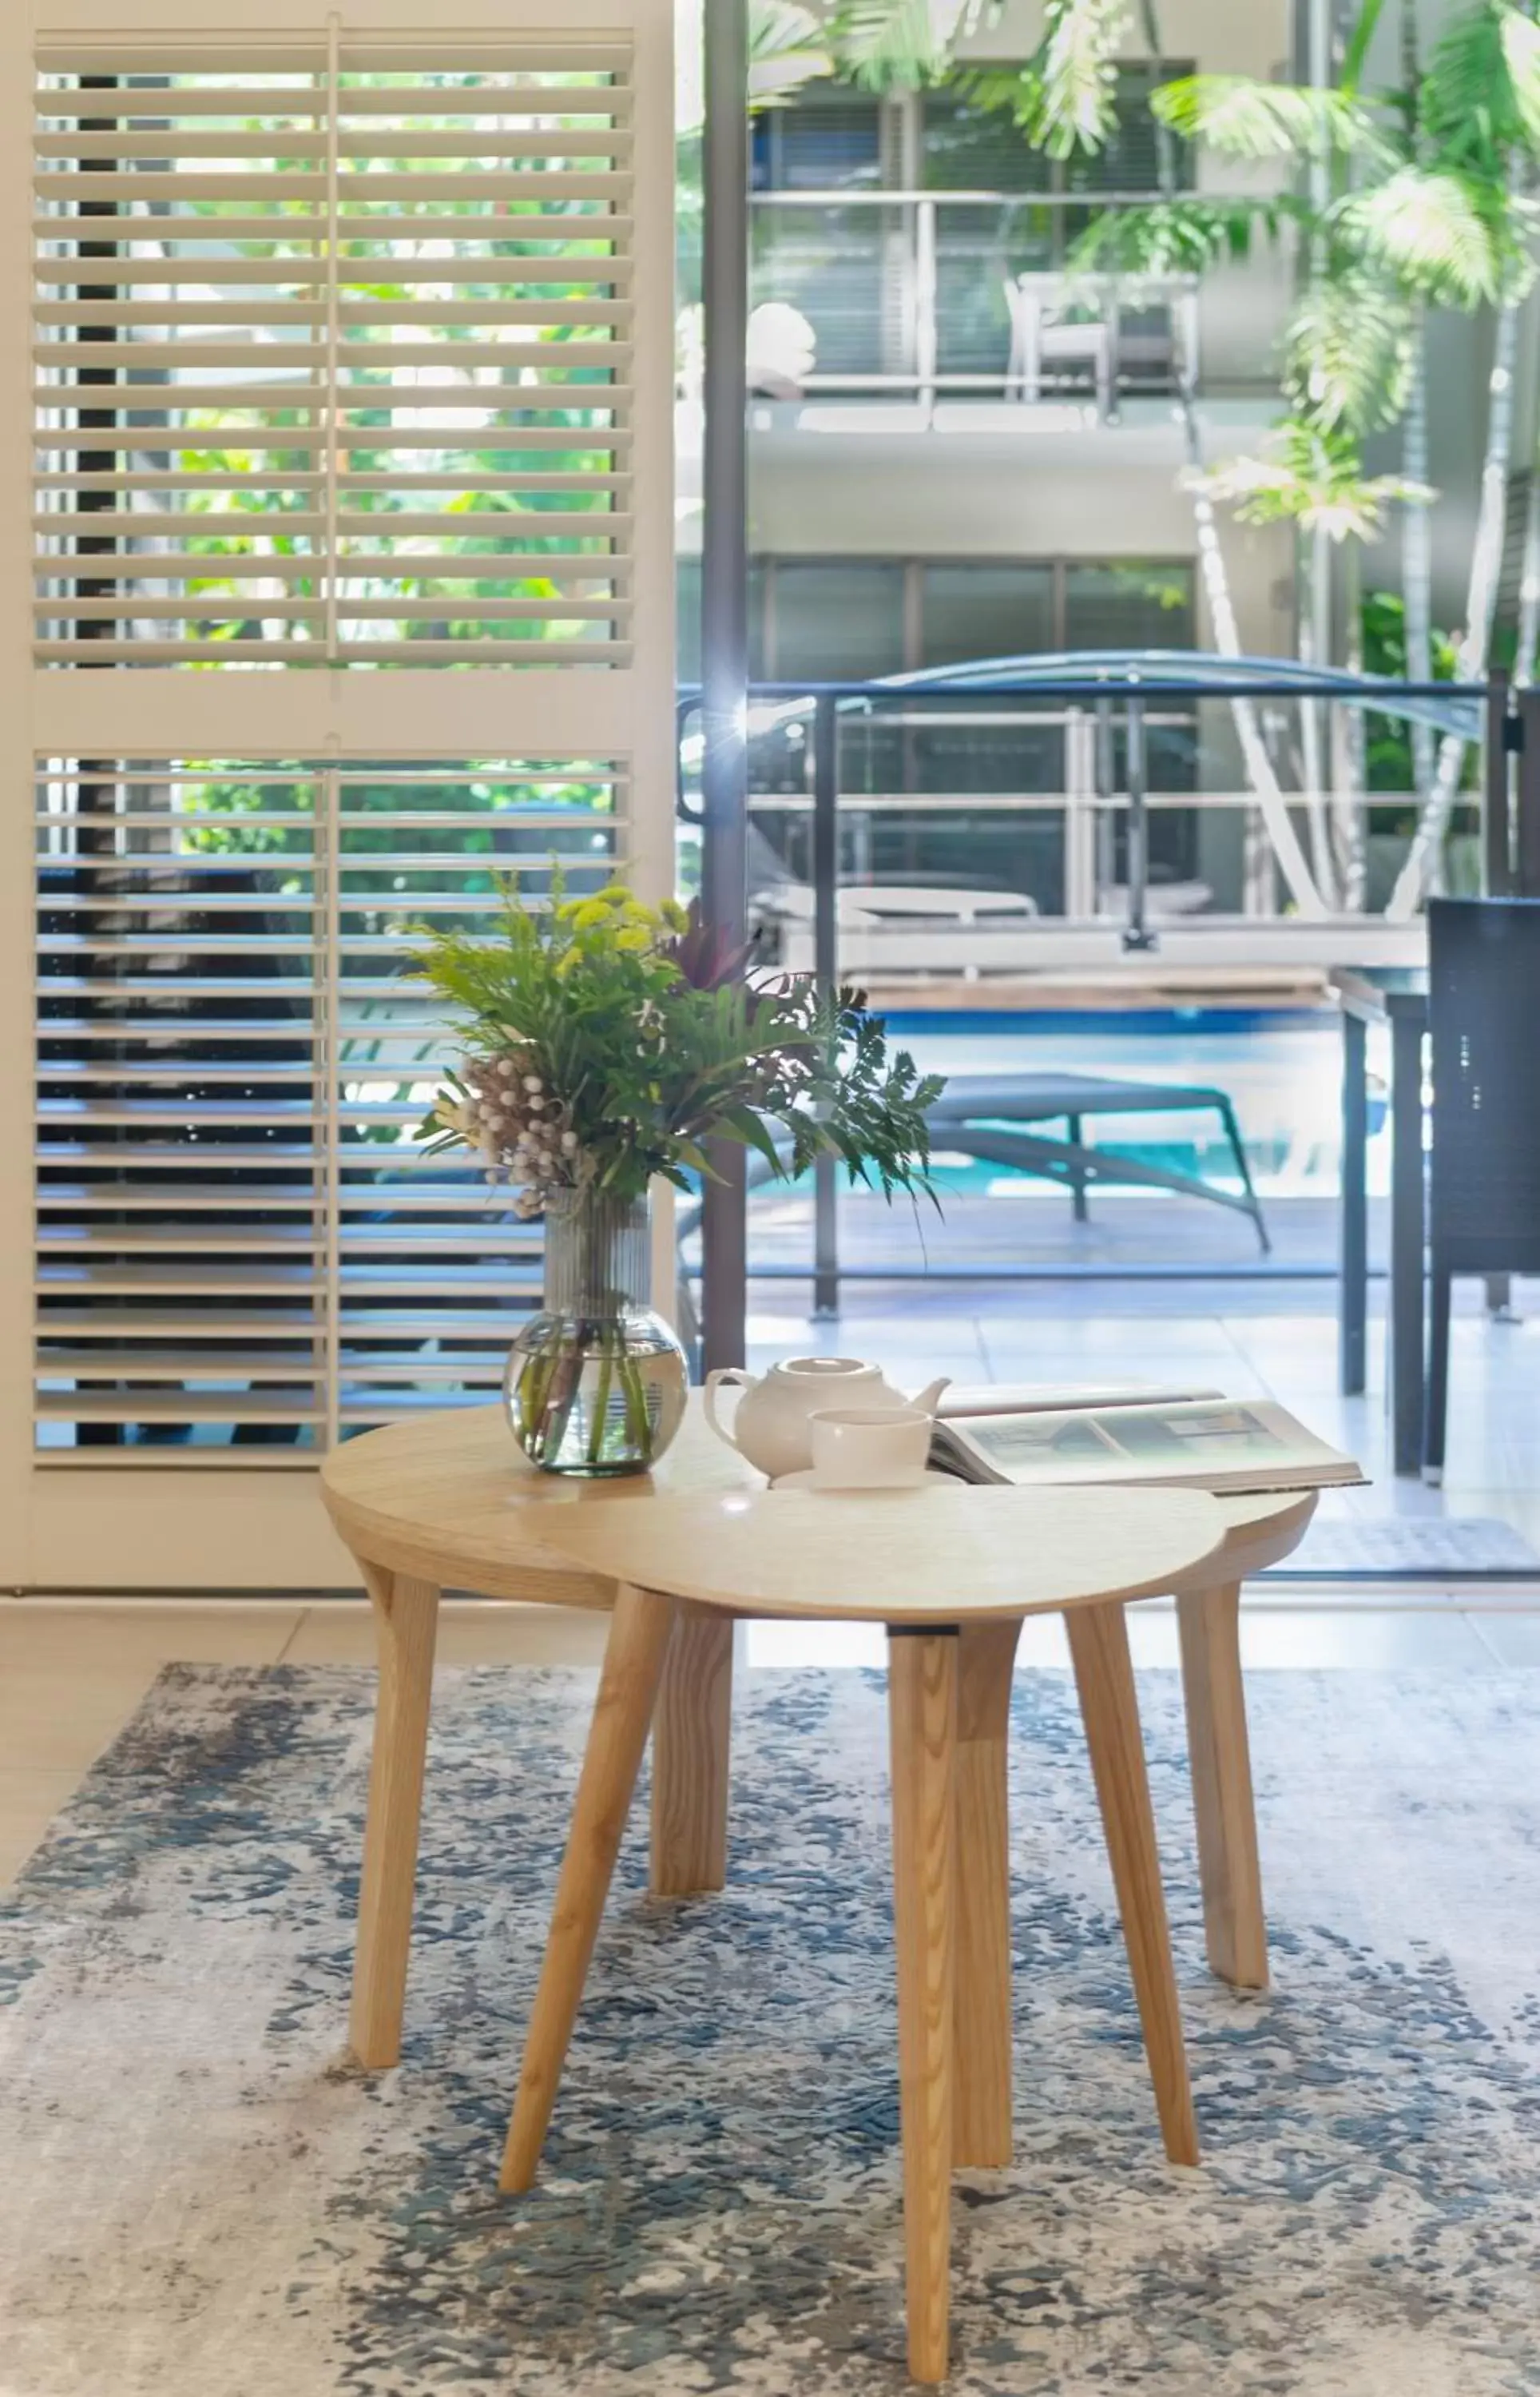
pixel 1484 1184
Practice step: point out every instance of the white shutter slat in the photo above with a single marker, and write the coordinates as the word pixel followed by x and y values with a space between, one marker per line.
pixel 236 1242
pixel 427 286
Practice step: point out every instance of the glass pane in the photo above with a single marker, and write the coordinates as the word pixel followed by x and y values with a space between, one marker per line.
pixel 1131 160
pixel 974 148
pixel 984 611
pixel 687 619
pixel 1131 605
pixel 687 666
pixel 845 269
pixel 838 621
pixel 827 139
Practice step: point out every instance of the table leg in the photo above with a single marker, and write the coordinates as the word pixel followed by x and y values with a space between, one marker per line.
pixel 923 1732
pixel 1353 1303
pixel 1408 1241
pixel 637 1640
pixel 691 1738
pixel 1235 1925
pixel 981 2064
pixel 406 1614
pixel 1104 1676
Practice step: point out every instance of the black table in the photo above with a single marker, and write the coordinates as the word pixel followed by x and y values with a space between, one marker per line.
pixel 1397 995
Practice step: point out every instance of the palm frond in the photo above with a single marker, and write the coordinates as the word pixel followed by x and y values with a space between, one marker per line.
pixel 885 43
pixel 1350 353
pixel 1520 40
pixel 1248 119
pixel 1076 74
pixel 1442 232
pixel 1311 476
pixel 1184 237
pixel 786 49
pixel 1481 91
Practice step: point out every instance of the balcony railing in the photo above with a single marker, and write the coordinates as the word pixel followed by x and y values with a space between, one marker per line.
pixel 967 293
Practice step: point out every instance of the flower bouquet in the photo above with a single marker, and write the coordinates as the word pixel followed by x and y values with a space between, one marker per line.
pixel 604 1043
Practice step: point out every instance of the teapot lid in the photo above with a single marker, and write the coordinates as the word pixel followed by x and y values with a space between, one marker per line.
pixel 824 1367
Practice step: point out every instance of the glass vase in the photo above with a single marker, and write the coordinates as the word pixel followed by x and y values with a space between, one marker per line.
pixel 596 1382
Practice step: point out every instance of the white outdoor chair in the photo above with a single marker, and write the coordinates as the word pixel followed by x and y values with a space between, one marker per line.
pixel 1044 334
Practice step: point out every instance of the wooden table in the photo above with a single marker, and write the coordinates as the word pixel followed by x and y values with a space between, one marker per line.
pixel 951 1572
pixel 447 1502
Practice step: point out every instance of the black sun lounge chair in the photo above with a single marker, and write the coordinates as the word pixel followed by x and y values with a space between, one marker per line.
pixel 977 1115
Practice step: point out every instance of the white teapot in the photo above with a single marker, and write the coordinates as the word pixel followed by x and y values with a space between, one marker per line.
pixel 770 1424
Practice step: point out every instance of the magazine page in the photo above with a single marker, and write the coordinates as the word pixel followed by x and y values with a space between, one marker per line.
pixel 964 1399
pixel 1228 1444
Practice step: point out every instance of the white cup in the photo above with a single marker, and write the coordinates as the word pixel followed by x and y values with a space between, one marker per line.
pixel 869 1447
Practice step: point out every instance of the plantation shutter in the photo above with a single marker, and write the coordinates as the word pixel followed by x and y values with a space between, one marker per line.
pixel 351 529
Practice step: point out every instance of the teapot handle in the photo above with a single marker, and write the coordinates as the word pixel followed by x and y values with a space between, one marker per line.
pixel 725 1377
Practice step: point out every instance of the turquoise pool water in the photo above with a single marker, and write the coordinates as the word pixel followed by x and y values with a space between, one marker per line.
pixel 1283 1071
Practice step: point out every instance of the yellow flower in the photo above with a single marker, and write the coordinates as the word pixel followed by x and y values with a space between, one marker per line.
pixel 637 939
pixel 613 894
pixel 676 918
pixel 590 913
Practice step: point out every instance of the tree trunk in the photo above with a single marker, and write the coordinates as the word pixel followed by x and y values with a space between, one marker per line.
pixel 1417 560
pixel 1226 640
pixel 1529 585
pixel 1211 562
pixel 1352 778
pixel 1486 560
pixel 1311 712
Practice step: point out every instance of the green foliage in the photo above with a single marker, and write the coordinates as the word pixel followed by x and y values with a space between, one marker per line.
pixel 1389 748
pixel 1248 119
pixel 591 1002
pixel 1311 475
pixel 1481 96
pixel 1443 232
pixel 787 46
pixel 888 45
pixel 1349 354
pixel 1180 236
pixel 1065 96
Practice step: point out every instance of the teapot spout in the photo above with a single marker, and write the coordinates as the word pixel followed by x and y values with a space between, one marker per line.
pixel 930 1398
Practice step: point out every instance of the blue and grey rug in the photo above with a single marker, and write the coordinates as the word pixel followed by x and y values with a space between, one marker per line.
pixel 200 2199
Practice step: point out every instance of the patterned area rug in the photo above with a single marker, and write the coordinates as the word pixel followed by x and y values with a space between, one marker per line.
pixel 200 2199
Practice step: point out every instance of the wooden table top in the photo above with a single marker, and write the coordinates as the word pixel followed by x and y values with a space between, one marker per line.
pixel 940 1553
pixel 449 1499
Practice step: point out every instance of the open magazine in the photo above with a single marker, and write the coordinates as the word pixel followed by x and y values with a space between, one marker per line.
pixel 1219 1444
pixel 960 1399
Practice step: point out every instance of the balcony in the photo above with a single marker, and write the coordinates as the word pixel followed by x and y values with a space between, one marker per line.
pixel 961 306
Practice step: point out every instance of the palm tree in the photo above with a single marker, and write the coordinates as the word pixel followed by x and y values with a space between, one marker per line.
pixel 1063 99
pixel 1481 107
pixel 1311 475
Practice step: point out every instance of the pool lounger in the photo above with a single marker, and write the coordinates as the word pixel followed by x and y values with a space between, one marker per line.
pixel 976 1113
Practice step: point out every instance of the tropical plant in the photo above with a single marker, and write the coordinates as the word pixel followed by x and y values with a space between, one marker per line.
pixel 1421 201
pixel 604 1042
pixel 1187 235
pixel 1310 475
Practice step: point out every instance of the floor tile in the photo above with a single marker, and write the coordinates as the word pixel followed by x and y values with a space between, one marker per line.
pixel 1512 1636
pixel 28 1803
pixel 474 1634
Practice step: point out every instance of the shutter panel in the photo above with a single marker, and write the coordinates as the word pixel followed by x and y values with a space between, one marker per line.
pixel 350 587
pixel 237 1250
pixel 333 358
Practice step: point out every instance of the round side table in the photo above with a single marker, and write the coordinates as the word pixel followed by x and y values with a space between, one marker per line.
pixel 447 1502
pixel 951 1572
